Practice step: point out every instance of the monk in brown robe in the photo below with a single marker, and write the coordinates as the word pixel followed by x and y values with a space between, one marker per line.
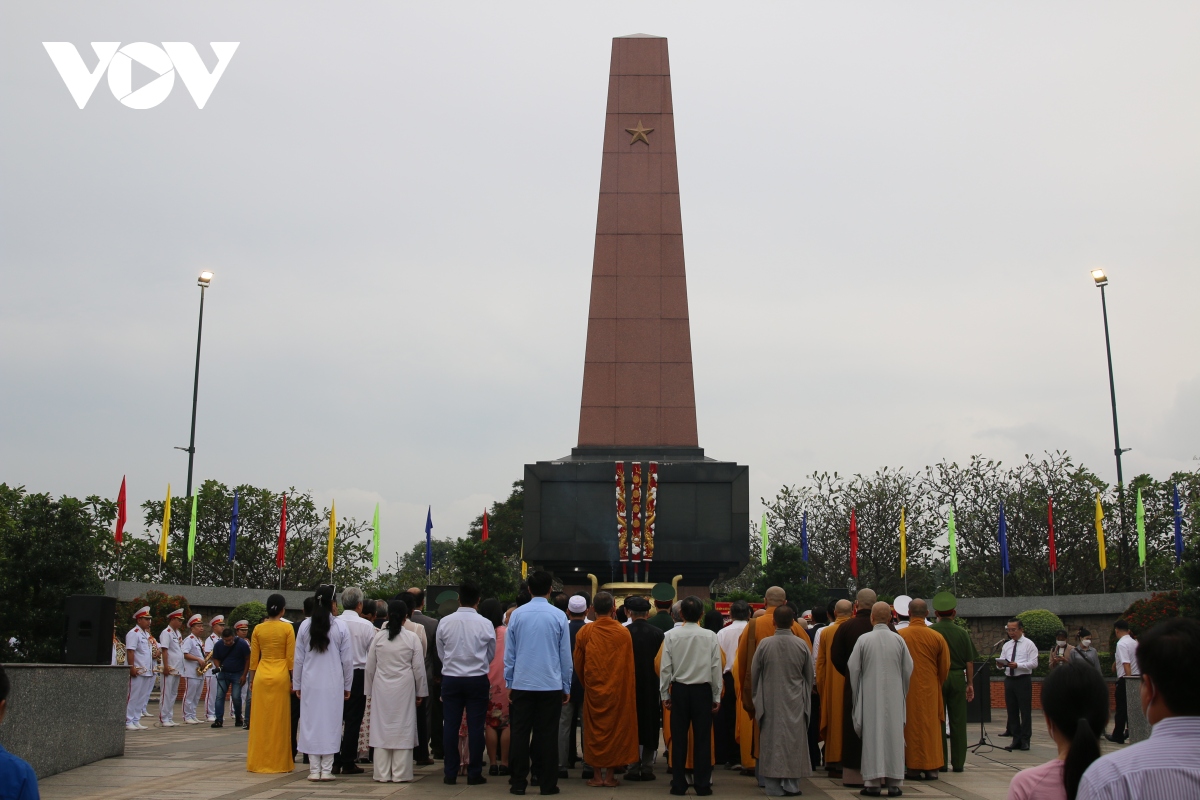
pixel 831 684
pixel 839 653
pixel 604 664
pixel 925 713
pixel 760 628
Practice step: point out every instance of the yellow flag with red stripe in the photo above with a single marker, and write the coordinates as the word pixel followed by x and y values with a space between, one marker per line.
pixel 166 527
pixel 1100 533
pixel 332 534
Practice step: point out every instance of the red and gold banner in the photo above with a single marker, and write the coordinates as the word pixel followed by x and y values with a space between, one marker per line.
pixel 651 506
pixel 635 518
pixel 622 531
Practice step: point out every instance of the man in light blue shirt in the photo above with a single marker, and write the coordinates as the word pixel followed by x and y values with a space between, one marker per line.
pixel 537 671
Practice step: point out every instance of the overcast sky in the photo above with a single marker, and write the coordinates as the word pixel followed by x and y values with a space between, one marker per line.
pixel 889 214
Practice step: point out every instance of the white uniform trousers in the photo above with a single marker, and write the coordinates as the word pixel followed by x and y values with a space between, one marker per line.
pixel 139 694
pixel 210 705
pixel 191 696
pixel 166 701
pixel 393 765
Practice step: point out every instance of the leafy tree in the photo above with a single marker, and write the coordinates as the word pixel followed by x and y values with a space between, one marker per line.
pixel 253 612
pixel 408 570
pixel 161 605
pixel 479 563
pixel 305 564
pixel 506 526
pixel 48 551
pixel 786 568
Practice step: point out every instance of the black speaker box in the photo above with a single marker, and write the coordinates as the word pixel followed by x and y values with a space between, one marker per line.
pixel 89 636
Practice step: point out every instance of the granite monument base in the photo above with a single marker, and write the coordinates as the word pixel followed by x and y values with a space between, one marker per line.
pixel 62 716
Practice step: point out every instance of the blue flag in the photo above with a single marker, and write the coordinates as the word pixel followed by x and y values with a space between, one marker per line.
pixel 804 536
pixel 1003 534
pixel 233 529
pixel 1178 527
pixel 429 541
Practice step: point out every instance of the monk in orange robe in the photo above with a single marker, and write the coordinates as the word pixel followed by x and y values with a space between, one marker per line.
pixel 604 664
pixel 925 712
pixel 761 627
pixel 744 724
pixel 831 685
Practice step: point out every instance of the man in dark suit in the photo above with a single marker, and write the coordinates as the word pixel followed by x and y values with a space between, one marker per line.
pixel 647 640
pixel 429 718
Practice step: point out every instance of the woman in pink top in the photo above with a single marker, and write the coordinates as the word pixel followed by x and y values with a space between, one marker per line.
pixel 1075 702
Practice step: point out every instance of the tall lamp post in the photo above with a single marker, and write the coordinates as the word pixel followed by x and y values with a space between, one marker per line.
pixel 204 280
pixel 1101 281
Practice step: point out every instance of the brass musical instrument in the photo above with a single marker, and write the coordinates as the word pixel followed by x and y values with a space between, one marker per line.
pixel 207 665
pixel 119 646
pixel 155 654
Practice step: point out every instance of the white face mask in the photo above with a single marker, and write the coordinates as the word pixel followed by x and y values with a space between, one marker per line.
pixel 1061 642
pixel 1086 642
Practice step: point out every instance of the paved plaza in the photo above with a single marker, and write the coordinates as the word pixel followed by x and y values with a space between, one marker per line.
pixel 196 761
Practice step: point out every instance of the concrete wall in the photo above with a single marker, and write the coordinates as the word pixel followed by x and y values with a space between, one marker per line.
pixel 62 716
pixel 206 600
pixel 987 616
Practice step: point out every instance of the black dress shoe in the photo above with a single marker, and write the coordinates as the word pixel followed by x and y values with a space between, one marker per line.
pixel 647 774
pixel 704 792
pixel 494 770
pixel 337 769
pixel 562 773
pixel 551 790
pixel 424 762
pixel 871 792
pixel 895 791
pixel 504 770
pixel 958 769
pixel 217 724
pixel 1023 746
pixel 533 780
pixel 352 769
pixel 449 780
pixel 475 780
pixel 1114 739
pixel 516 790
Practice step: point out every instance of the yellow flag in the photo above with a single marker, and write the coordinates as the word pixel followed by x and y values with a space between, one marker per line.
pixel 332 534
pixel 1100 533
pixel 166 527
pixel 903 545
pixel 524 566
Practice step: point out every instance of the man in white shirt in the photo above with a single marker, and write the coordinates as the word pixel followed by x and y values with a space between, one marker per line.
pixel 170 645
pixel 1018 659
pixel 728 752
pixel 362 633
pixel 690 688
pixel 1126 666
pixel 466 643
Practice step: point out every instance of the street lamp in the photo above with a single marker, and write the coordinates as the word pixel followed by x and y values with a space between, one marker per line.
pixel 1101 280
pixel 203 281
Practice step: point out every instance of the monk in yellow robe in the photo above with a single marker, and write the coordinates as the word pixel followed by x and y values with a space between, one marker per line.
pixel 744 726
pixel 604 664
pixel 759 628
pixel 925 712
pixel 831 685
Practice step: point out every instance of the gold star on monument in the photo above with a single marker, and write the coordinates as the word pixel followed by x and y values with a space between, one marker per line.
pixel 639 134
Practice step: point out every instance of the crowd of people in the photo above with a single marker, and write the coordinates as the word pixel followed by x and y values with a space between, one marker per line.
pixel 864 690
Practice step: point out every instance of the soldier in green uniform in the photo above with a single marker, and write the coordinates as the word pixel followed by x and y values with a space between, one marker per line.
pixel 664 596
pixel 958 690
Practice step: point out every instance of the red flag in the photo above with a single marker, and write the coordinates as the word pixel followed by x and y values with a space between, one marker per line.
pixel 853 545
pixel 484 525
pixel 282 535
pixel 1053 552
pixel 121 513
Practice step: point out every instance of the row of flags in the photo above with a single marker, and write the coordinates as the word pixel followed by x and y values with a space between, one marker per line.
pixel 1001 536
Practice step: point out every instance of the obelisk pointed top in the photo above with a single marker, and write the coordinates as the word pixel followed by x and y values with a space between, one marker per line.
pixel 640 36
pixel 637 376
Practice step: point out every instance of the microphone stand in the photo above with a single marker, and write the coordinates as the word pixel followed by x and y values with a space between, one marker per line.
pixel 985 696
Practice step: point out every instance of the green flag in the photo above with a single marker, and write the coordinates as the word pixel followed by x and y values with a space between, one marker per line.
pixel 192 531
pixel 375 553
pixel 953 543
pixel 1141 528
pixel 764 539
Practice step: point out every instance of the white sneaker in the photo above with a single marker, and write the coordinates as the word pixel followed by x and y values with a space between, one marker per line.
pixel 326 776
pixel 144 714
pixel 132 727
pixel 170 724
pixel 192 721
pixel 142 727
pixel 212 719
pixel 314 776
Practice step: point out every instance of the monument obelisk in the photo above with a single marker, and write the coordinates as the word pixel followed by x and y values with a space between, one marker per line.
pixel 638 403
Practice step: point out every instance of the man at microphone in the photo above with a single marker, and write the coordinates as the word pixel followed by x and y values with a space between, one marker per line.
pixel 1018 659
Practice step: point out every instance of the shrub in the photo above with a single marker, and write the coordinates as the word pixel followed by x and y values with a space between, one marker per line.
pixel 1144 614
pixel 738 594
pixel 160 605
pixel 1041 626
pixel 253 612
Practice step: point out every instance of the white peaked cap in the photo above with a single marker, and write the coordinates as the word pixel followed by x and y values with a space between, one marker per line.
pixel 900 604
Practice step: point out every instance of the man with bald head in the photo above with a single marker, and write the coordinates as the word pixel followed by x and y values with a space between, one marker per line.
pixel 831 686
pixel 759 629
pixel 840 649
pixel 926 713
pixel 879 672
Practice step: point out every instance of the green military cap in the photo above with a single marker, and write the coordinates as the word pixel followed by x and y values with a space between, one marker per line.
pixel 944 601
pixel 663 592
pixel 447 596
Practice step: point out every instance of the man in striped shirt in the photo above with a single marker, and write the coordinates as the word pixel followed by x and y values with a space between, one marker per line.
pixel 1167 765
